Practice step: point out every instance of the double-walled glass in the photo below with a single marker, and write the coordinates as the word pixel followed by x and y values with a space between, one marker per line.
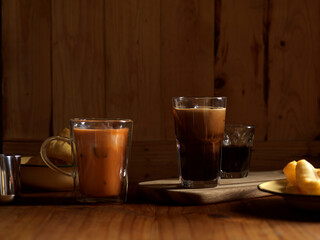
pixel 100 152
pixel 199 128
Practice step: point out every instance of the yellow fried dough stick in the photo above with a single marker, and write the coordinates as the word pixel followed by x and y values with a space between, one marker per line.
pixel 290 172
pixel 60 150
pixel 307 178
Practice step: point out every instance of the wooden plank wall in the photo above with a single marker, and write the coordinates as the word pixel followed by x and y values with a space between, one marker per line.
pixel 110 58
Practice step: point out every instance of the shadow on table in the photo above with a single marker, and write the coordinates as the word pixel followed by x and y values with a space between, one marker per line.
pixel 57 198
pixel 43 198
pixel 276 209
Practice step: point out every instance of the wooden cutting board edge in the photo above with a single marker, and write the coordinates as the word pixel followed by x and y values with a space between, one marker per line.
pixel 168 191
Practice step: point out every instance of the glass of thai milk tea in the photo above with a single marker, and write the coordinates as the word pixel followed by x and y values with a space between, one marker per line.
pixel 100 152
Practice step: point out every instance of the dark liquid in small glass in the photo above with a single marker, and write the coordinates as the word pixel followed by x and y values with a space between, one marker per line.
pixel 235 158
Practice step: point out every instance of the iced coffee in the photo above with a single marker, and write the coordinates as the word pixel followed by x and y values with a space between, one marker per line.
pixel 199 128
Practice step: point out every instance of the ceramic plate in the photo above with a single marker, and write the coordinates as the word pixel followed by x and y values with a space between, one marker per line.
pixel 278 187
pixel 40 177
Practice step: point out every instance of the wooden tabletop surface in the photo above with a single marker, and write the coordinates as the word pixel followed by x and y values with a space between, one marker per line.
pixel 57 216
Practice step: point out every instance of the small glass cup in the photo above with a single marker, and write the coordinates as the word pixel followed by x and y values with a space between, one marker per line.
pixel 236 150
pixel 100 152
pixel 199 128
pixel 9 177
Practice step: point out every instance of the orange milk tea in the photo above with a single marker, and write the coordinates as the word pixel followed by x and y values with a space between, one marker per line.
pixel 101 155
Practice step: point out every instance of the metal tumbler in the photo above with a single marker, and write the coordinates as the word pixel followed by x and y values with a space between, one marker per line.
pixel 9 177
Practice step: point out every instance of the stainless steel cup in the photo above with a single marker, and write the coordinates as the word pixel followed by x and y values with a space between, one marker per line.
pixel 9 177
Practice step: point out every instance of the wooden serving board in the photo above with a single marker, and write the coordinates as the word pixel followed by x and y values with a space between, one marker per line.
pixel 168 191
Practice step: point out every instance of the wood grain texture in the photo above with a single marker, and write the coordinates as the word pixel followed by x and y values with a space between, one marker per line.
pixel 77 61
pixel 294 65
pixel 239 62
pixel 26 80
pixel 79 222
pixel 38 216
pixel 153 160
pixel 187 42
pixel 263 218
pixel 132 33
pixel 108 58
pixel 271 155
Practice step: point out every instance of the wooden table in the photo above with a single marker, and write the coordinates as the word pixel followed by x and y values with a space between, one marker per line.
pixel 57 216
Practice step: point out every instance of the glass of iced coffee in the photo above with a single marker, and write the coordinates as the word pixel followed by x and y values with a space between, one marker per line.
pixel 100 152
pixel 199 127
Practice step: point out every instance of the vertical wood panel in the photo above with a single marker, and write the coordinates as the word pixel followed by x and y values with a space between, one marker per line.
pixel 294 112
pixel 26 95
pixel 187 53
pixel 239 62
pixel 78 60
pixel 133 65
pixel 109 58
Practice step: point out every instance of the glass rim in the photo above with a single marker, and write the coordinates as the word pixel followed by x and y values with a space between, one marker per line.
pixel 2 155
pixel 239 125
pixel 199 97
pixel 101 120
